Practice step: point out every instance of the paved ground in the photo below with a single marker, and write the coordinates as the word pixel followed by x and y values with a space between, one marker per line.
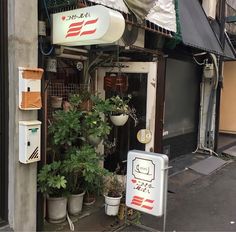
pixel 207 203
pixel 195 203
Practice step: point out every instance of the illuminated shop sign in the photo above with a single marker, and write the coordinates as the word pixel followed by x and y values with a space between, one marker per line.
pixel 87 26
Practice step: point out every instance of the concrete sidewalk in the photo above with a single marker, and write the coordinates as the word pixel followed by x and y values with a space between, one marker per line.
pixel 207 203
pixel 195 203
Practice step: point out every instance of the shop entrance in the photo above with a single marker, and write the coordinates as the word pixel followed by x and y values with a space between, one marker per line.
pixel 4 111
pixel 141 80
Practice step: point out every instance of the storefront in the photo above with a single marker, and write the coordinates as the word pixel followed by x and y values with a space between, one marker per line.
pixel 4 113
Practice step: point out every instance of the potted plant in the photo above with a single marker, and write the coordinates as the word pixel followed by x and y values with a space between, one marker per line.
pixel 120 110
pixel 113 194
pixel 52 183
pixel 94 123
pixel 65 129
pixel 95 127
pixel 73 167
pixel 93 175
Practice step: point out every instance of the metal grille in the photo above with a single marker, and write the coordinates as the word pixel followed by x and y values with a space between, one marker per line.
pixel 63 90
pixel 60 89
pixel 52 4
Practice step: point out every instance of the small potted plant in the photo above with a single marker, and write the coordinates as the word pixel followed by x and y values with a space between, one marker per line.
pixel 113 194
pixel 52 183
pixel 120 110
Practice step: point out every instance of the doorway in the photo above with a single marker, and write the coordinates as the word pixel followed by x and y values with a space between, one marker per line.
pixel 141 77
pixel 4 112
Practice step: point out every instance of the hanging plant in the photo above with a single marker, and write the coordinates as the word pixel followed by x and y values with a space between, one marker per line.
pixel 120 110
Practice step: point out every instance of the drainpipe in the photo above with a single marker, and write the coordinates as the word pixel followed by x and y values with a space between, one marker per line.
pixel 222 4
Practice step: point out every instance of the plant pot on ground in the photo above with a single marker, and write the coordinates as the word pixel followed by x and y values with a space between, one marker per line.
pixel 93 175
pixel 113 194
pixel 74 165
pixel 52 183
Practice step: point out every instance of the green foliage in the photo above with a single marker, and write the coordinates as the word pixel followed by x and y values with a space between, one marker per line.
pixel 83 170
pixel 65 128
pixel 80 169
pixel 100 105
pixel 93 173
pixel 94 124
pixel 121 106
pixel 51 180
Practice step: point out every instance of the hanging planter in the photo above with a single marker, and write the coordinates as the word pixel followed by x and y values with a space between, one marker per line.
pixel 121 84
pixel 119 120
pixel 75 202
pixel 110 82
pixel 114 82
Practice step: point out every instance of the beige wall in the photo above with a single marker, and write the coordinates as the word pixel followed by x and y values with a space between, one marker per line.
pixel 228 99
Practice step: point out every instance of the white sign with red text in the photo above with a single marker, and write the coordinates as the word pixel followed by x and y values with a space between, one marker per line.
pixel 87 26
pixel 146 181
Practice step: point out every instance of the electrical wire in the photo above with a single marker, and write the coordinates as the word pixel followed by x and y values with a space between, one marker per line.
pixel 45 53
pixel 46 9
pixel 42 50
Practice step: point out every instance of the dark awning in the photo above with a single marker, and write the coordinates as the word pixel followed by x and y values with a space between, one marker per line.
pixel 195 28
pixel 229 52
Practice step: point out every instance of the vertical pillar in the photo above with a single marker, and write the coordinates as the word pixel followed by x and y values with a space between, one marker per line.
pixel 22 39
pixel 220 85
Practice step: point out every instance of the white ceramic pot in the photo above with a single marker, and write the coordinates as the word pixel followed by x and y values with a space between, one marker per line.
pixel 119 120
pixel 75 203
pixel 56 209
pixel 112 205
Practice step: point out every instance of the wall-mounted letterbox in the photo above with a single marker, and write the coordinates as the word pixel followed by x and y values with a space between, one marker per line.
pixel 29 141
pixel 30 88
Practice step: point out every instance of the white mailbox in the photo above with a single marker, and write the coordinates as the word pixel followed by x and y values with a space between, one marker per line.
pixel 29 141
pixel 30 88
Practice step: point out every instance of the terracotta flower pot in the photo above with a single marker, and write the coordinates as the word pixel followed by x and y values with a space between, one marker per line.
pixel 56 102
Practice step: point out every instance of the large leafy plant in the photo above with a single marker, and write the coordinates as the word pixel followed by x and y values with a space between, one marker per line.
pixel 94 124
pixel 51 180
pixel 65 128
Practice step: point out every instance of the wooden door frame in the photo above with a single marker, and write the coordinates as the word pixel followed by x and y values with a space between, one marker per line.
pixel 160 103
pixel 150 68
